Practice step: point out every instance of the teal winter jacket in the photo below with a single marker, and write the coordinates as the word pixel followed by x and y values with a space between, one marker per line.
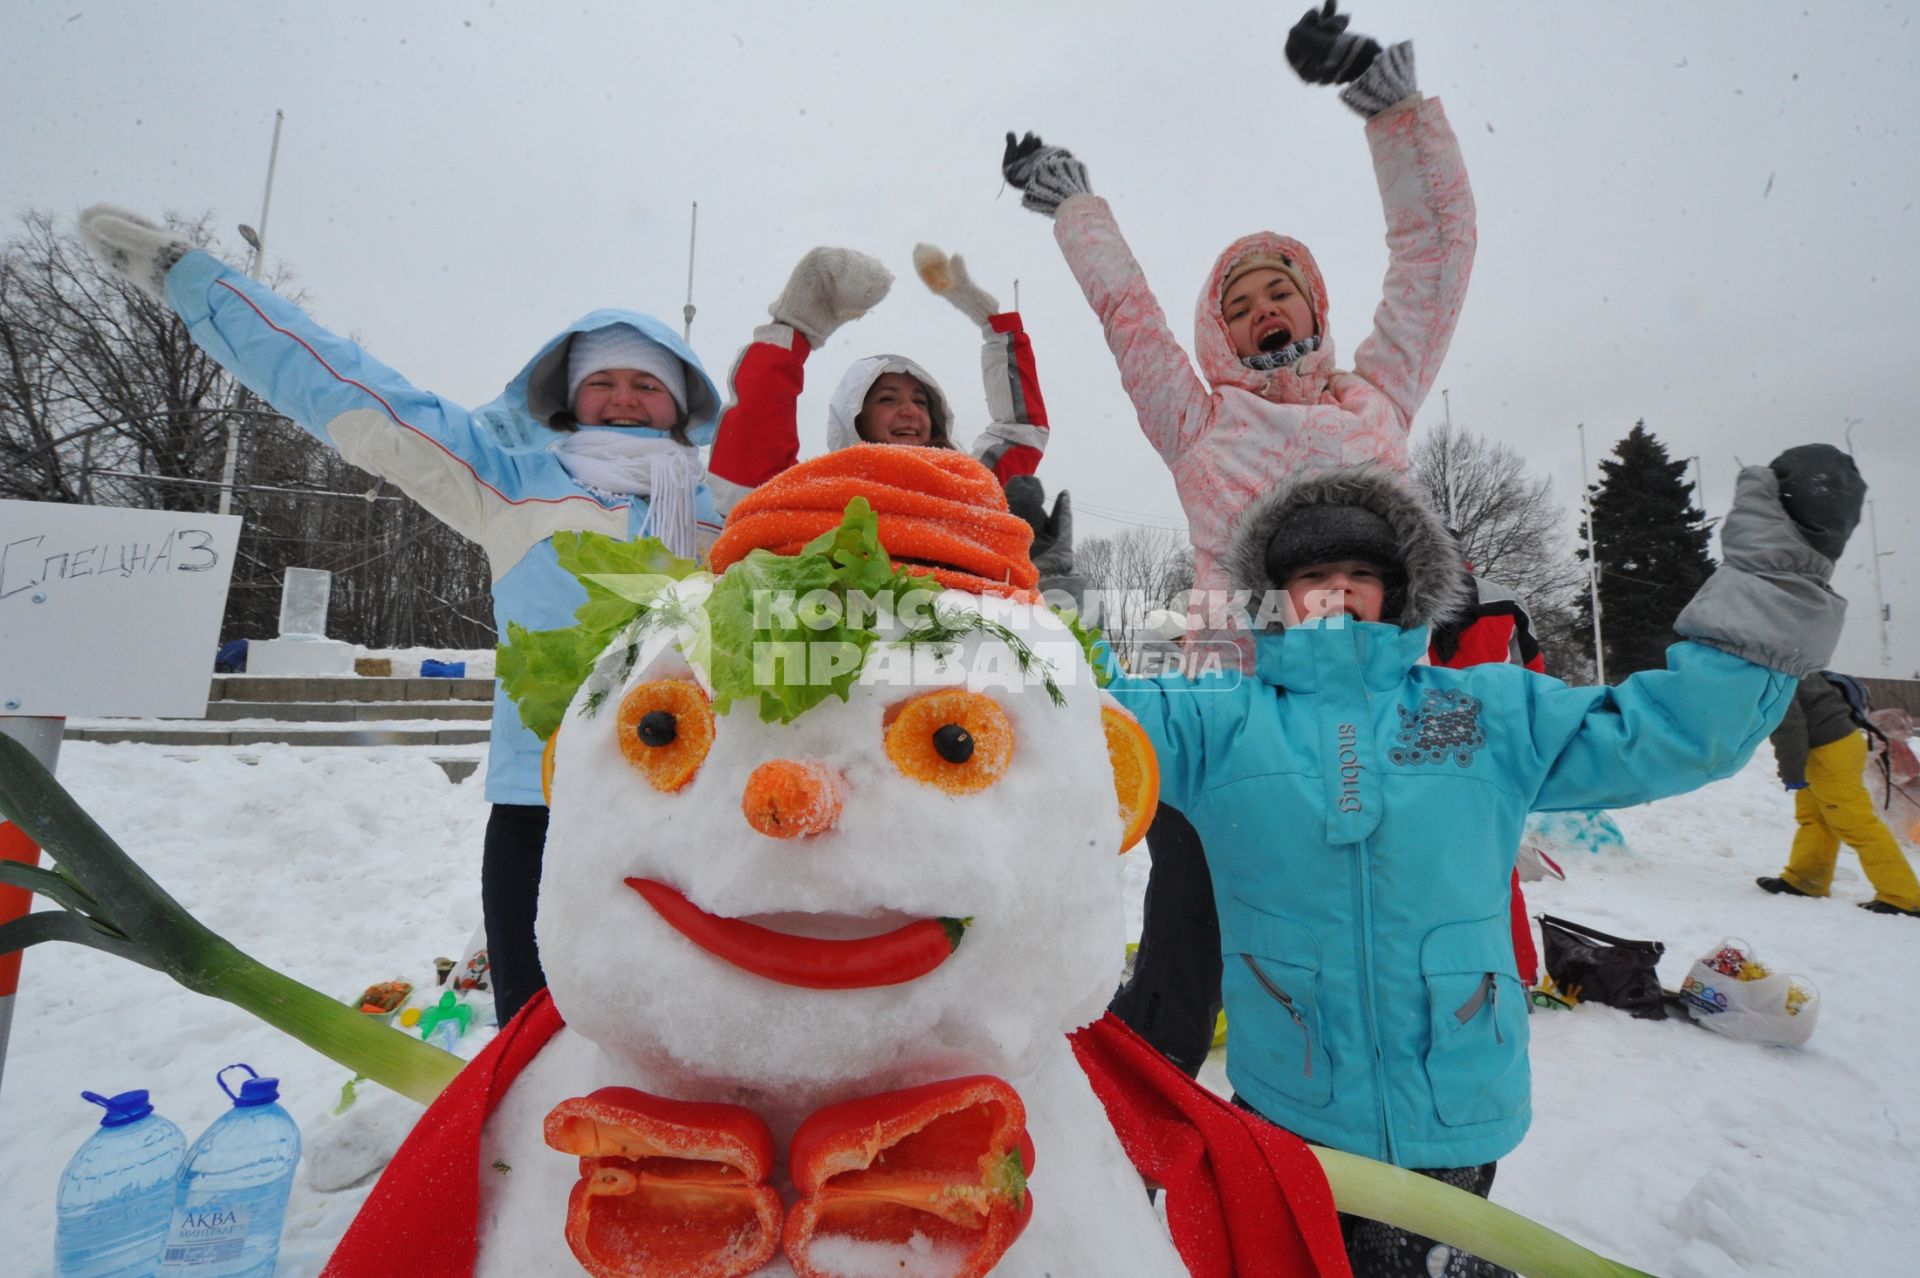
pixel 489 473
pixel 1361 813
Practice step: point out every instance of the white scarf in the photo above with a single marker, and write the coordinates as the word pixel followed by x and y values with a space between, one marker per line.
pixel 640 464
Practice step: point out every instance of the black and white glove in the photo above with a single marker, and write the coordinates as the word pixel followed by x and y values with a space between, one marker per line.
pixel 947 277
pixel 1046 176
pixel 1323 51
pixel 830 287
pixel 1769 600
pixel 1052 549
pixel 133 248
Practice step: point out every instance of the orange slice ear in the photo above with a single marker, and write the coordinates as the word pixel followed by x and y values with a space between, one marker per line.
pixel 1136 773
pixel 546 768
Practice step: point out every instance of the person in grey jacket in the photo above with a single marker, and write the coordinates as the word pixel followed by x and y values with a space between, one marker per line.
pixel 1820 752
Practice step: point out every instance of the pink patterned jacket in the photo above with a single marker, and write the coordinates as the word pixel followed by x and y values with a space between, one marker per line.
pixel 1232 443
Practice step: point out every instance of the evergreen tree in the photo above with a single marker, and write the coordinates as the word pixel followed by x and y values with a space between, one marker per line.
pixel 1651 543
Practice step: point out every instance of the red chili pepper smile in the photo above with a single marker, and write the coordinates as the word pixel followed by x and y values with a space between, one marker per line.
pixel 892 958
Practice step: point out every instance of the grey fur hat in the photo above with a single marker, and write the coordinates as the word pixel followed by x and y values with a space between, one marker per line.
pixel 1368 512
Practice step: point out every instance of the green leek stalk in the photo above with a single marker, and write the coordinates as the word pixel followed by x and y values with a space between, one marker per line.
pixel 1434 1209
pixel 109 903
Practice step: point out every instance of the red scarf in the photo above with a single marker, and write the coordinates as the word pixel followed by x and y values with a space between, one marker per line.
pixel 1244 1198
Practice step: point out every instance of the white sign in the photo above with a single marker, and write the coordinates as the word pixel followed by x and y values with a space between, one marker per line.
pixel 105 611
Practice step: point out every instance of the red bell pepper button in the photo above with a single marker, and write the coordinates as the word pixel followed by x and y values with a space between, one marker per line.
pixel 667 1188
pixel 936 1173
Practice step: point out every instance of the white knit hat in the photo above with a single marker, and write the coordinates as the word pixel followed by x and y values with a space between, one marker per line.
pixel 624 346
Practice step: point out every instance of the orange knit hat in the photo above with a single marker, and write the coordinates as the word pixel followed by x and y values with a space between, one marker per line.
pixel 940 512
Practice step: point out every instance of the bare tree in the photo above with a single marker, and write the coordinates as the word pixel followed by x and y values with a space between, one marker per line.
pixel 1130 575
pixel 105 399
pixel 1512 529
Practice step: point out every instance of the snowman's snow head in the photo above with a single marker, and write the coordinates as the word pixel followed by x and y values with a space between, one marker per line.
pixel 911 875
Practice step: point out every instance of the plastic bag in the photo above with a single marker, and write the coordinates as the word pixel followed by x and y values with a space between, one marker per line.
pixel 1731 991
pixel 1597 968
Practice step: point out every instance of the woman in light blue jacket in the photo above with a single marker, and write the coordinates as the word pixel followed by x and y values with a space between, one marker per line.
pixel 598 433
pixel 1360 809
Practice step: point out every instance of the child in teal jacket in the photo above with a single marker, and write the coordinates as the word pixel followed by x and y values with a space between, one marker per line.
pixel 1360 809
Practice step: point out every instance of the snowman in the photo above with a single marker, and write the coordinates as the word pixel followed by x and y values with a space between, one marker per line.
pixel 832 871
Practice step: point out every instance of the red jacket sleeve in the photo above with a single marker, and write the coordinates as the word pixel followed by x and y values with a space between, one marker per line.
pixel 759 433
pixel 1013 443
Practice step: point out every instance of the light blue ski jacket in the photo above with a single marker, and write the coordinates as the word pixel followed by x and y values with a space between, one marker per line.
pixel 489 473
pixel 1361 813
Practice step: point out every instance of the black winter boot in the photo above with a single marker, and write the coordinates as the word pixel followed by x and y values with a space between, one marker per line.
pixel 1779 886
pixel 1877 906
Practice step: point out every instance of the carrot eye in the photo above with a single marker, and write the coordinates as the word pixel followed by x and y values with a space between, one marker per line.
pixel 666 729
pixel 952 740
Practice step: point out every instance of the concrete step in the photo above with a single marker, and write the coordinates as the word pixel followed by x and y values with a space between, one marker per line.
pixel 180 733
pixel 316 688
pixel 227 710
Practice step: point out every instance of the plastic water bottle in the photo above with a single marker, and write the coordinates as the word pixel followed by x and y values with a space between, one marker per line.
pixel 116 1194
pixel 232 1197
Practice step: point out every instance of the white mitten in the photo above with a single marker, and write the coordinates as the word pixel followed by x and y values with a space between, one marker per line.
pixel 829 287
pixel 133 248
pixel 948 277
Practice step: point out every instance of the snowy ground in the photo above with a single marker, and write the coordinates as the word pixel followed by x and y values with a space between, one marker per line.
pixel 1658 1143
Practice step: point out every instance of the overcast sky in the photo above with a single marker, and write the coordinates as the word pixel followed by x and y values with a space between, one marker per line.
pixel 1703 214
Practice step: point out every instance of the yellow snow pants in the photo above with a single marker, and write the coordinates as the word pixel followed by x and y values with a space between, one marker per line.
pixel 1834 809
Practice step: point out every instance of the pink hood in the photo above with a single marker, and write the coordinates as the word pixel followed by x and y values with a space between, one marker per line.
pixel 1306 381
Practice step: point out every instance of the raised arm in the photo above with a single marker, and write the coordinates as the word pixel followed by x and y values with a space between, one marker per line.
pixel 1016 435
pixel 1765 617
pixel 431 448
pixel 759 433
pixel 1173 405
pixel 1430 244
pixel 1423 190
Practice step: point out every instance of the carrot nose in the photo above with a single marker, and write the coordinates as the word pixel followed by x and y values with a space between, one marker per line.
pixel 789 799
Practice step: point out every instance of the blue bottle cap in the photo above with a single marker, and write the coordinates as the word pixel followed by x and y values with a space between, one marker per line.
pixel 255 1090
pixel 127 1107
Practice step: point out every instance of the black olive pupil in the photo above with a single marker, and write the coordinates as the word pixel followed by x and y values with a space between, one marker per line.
pixel 953 743
pixel 658 728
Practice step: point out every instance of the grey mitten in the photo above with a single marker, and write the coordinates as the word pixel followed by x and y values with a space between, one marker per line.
pixel 1046 176
pixel 828 288
pixel 1769 601
pixel 948 277
pixel 133 248
pixel 1052 549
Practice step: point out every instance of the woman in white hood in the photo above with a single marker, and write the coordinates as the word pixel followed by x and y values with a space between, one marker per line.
pixel 882 399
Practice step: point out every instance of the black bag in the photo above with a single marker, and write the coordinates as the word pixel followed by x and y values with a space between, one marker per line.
pixel 1599 968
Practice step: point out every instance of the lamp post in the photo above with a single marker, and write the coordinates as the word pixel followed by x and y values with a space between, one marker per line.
pixel 257 241
pixel 1879 598
pixel 1873 535
pixel 1699 480
pixel 1593 562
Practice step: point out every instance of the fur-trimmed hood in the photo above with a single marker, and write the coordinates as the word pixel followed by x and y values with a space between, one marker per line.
pixel 852 393
pixel 1429 556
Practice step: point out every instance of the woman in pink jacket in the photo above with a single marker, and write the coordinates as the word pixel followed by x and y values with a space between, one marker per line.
pixel 1274 402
